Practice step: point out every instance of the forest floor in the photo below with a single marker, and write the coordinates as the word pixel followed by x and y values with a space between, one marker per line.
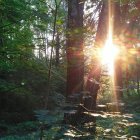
pixel 107 126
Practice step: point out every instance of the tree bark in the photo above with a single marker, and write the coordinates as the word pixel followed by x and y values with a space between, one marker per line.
pixel 93 79
pixel 117 64
pixel 102 28
pixel 75 56
pixel 57 49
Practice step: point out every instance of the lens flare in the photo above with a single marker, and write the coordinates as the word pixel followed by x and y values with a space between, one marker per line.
pixel 108 55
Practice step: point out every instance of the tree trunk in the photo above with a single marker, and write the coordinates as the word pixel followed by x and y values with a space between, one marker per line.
pixel 57 49
pixel 75 57
pixel 93 85
pixel 102 28
pixel 117 65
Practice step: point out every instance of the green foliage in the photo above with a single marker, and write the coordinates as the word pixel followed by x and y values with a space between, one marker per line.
pixel 23 77
pixel 26 83
pixel 34 136
pixel 48 117
pixel 134 130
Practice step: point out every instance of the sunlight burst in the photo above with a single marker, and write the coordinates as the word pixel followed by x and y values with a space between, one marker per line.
pixel 108 55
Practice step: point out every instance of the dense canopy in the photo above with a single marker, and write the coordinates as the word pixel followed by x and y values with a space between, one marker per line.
pixel 69 69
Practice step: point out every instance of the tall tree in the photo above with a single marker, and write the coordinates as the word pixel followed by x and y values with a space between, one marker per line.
pixel 116 15
pixel 101 35
pixel 75 57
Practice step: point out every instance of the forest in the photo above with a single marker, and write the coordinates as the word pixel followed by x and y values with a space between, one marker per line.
pixel 69 69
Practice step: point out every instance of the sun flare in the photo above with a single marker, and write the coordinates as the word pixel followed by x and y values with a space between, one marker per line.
pixel 108 56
